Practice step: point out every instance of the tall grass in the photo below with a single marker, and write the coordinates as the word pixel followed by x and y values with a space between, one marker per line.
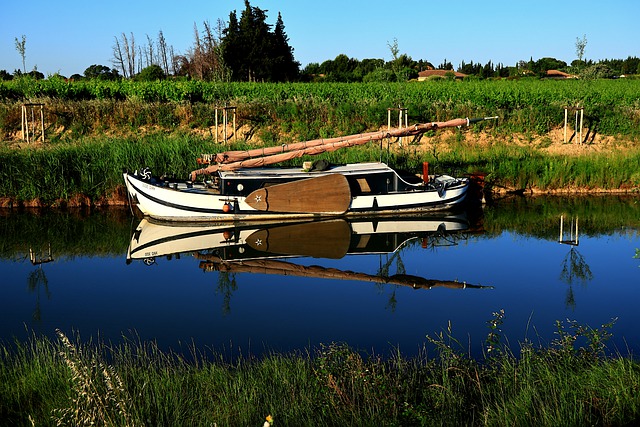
pixel 574 381
pixel 62 171
pixel 95 170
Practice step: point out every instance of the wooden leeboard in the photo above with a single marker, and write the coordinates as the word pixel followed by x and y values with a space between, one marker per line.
pixel 326 239
pixel 328 194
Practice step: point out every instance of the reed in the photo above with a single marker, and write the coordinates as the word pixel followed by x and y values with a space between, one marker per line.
pixel 92 168
pixel 573 381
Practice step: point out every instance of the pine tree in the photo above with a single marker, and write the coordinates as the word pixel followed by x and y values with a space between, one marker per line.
pixel 253 52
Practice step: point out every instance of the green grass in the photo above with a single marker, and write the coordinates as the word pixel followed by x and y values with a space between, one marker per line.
pixel 69 382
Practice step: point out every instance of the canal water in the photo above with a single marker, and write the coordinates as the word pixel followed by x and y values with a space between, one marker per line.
pixel 379 285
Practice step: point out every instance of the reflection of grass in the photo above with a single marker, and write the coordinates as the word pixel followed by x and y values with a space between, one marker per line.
pixel 571 382
pixel 68 233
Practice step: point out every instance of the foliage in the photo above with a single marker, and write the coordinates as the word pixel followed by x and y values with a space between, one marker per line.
pixel 597 71
pixel 151 73
pixel 253 52
pixel 101 72
pixel 572 382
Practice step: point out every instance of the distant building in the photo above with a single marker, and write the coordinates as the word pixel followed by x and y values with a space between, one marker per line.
pixel 556 74
pixel 424 75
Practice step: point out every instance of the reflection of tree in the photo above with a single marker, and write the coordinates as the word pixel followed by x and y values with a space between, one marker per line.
pixel 574 269
pixel 226 286
pixel 383 271
pixel 35 281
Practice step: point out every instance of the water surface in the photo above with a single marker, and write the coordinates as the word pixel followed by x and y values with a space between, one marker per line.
pixel 376 285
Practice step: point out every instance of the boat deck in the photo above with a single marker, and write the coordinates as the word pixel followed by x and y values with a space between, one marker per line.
pixel 298 173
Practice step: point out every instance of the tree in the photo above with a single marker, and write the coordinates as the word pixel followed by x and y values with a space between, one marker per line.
pixel 581 44
pixel 4 75
pixel 101 72
pixel 597 71
pixel 151 73
pixel 446 65
pixel 124 55
pixel 285 67
pixel 22 50
pixel 253 52
pixel 204 61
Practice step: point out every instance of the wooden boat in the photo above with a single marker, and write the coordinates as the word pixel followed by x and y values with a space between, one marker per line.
pixel 266 248
pixel 241 188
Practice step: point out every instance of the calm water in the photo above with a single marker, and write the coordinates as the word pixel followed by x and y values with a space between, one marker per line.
pixel 295 286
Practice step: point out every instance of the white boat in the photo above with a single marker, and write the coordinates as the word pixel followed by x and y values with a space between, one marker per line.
pixel 237 186
pixel 290 193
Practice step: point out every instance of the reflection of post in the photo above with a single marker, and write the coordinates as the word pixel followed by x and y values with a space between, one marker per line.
pixel 573 232
pixel 42 260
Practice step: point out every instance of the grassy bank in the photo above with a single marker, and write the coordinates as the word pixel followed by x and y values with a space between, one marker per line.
pixel 73 383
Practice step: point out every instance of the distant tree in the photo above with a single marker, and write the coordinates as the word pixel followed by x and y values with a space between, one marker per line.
pixel 446 65
pixel 488 70
pixel 4 75
pixel 76 77
pixel 285 67
pixel 630 65
pixel 151 73
pixel 340 69
pixel 124 55
pixel 581 44
pixel 35 74
pixel 380 75
pixel 101 72
pixel 22 50
pixel 542 65
pixel 597 71
pixel 253 52
pixel 502 71
pixel 470 69
pixel 204 60
pixel 367 66
pixel 163 53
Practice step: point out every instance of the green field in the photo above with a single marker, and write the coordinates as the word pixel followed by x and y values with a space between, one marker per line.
pixel 526 105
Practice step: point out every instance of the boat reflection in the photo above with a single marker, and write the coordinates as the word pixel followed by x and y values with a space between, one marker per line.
pixel 267 248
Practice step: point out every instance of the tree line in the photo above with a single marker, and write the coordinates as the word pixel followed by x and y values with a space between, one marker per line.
pixel 247 48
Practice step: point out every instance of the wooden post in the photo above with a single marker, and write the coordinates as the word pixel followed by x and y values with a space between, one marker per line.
pixel 225 122
pixel 581 121
pixel 402 112
pixel 566 112
pixel 25 121
pixel 577 128
pixel 216 125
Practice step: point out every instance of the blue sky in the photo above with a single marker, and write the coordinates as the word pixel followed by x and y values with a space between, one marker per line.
pixel 69 36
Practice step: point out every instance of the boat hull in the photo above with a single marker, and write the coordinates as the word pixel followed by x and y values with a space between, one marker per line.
pixel 196 202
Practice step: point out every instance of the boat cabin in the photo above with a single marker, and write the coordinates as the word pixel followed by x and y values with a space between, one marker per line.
pixel 363 178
